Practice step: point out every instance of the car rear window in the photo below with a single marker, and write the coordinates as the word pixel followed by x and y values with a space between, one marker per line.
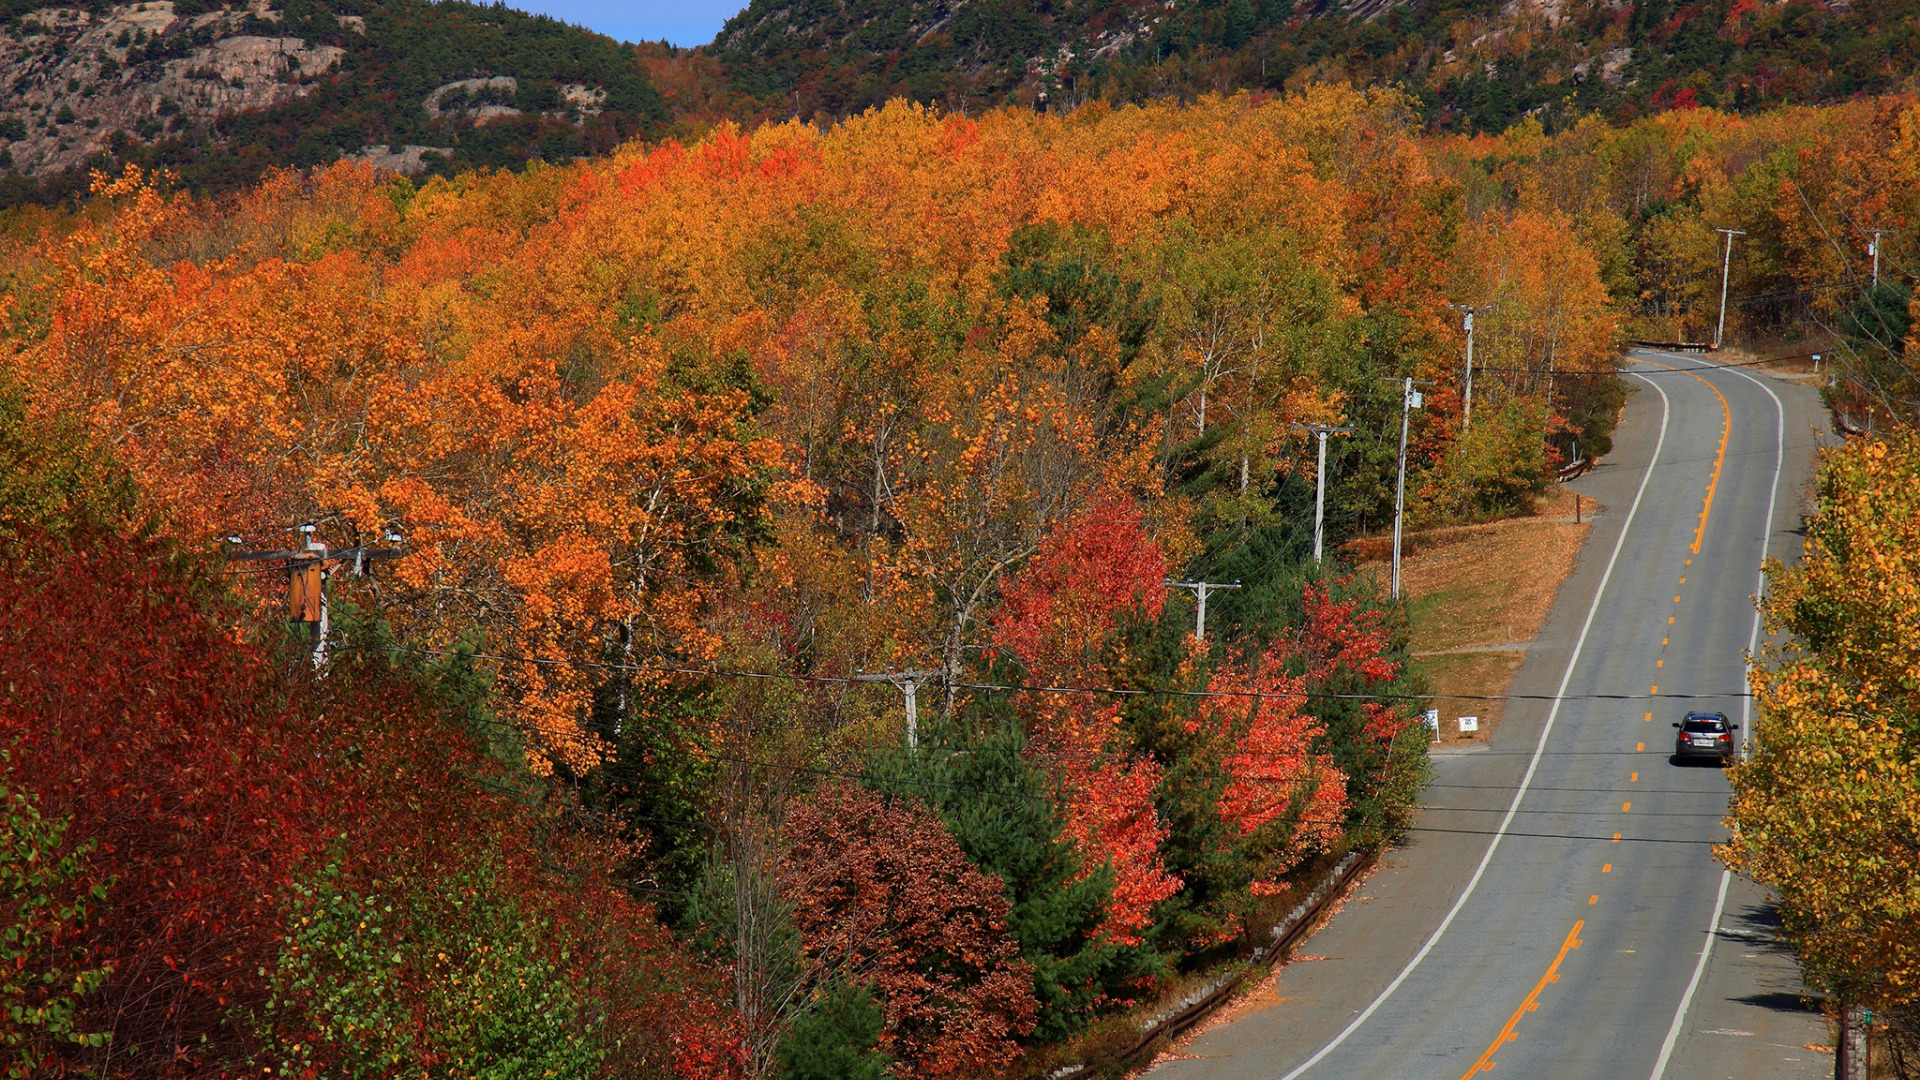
pixel 1701 727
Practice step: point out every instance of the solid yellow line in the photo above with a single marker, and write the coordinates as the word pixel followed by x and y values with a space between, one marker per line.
pixel 1726 430
pixel 1507 1033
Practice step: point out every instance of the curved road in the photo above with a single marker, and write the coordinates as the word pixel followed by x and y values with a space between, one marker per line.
pixel 1558 912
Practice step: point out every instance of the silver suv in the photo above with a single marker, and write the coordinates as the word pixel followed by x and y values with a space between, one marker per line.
pixel 1704 735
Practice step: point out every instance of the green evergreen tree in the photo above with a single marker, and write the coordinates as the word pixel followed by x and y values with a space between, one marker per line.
pixel 1002 809
pixel 1873 345
pixel 837 1039
pixel 1200 848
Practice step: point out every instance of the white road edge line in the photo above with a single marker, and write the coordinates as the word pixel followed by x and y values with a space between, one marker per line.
pixel 1540 747
pixel 1746 725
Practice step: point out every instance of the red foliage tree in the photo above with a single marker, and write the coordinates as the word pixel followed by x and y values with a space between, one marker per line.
pixel 1059 613
pixel 166 743
pixel 1275 780
pixel 1058 617
pixel 1345 649
pixel 882 892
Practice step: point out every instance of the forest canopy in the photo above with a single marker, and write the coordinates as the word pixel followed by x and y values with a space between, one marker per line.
pixel 695 456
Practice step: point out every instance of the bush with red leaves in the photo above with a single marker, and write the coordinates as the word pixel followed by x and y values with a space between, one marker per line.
pixel 883 895
pixel 213 777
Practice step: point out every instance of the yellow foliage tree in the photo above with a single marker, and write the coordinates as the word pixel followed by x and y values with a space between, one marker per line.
pixel 1828 807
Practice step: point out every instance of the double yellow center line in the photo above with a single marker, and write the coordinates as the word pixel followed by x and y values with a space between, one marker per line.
pixel 1532 1002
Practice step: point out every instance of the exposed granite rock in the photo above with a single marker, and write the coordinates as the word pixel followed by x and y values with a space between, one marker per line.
pixel 76 79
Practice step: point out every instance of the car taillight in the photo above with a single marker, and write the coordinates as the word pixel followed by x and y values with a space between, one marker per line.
pixel 1726 737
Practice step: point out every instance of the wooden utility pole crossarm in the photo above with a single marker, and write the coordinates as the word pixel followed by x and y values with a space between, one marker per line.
pixel 1200 590
pixel 308 567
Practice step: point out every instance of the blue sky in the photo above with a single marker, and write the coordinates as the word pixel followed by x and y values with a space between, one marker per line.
pixel 690 22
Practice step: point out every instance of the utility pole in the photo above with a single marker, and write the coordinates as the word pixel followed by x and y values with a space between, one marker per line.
pixel 308 567
pixel 1726 264
pixel 908 683
pixel 1320 474
pixel 1468 311
pixel 1410 399
pixel 1200 590
pixel 1873 249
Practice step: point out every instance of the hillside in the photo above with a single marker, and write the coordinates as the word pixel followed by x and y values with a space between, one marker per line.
pixel 219 94
pixel 1471 64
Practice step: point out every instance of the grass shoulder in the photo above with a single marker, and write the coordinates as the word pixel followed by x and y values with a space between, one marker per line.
pixel 1476 596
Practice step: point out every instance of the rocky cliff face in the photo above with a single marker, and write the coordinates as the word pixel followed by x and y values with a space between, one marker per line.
pixel 220 93
pixel 1465 64
pixel 78 83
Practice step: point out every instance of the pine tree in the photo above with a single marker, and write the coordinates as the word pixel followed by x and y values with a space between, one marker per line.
pixel 838 1039
pixel 1001 808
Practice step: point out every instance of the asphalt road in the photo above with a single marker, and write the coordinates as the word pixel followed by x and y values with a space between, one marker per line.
pixel 1558 913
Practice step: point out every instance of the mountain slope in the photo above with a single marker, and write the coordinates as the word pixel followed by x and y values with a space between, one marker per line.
pixel 221 93
pixel 1469 63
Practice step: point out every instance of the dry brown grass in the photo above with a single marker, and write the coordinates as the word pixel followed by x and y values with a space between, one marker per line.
pixel 1476 595
pixel 1486 671
pixel 1795 361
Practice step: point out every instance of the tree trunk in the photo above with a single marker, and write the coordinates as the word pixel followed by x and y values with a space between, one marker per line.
pixel 1850 1049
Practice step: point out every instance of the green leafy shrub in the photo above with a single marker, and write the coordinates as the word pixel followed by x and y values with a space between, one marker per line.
pixel 1499 467
pixel 43 974
pixel 442 978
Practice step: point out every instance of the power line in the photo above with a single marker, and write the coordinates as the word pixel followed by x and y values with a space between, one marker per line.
pixel 898 782
pixel 1629 371
pixel 1111 691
